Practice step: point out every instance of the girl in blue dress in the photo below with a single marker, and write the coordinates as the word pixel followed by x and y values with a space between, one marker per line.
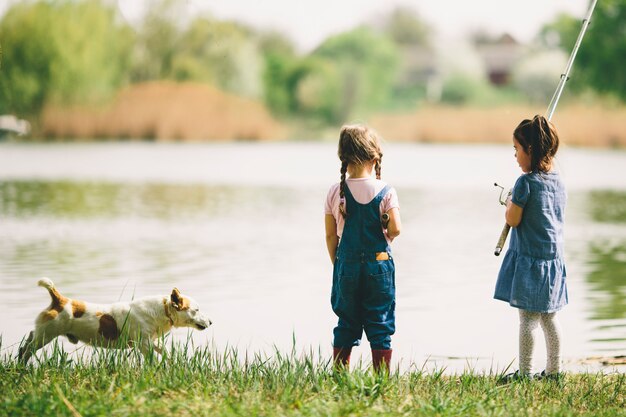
pixel 362 218
pixel 532 277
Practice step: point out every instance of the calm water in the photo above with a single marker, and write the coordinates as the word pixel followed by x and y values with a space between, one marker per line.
pixel 240 228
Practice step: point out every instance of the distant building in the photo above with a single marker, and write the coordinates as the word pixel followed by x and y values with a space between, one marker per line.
pixel 500 56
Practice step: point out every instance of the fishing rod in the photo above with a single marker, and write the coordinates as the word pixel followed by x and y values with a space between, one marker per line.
pixel 551 107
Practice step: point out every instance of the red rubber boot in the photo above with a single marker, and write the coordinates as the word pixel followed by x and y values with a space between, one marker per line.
pixel 341 357
pixel 381 359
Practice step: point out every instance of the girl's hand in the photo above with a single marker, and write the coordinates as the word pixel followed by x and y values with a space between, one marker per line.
pixel 332 240
pixel 394 225
pixel 513 214
pixel 508 197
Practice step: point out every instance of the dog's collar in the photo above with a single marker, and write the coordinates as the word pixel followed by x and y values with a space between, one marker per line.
pixel 167 312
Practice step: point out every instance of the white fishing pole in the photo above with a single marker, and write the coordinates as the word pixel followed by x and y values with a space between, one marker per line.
pixel 570 62
pixel 553 102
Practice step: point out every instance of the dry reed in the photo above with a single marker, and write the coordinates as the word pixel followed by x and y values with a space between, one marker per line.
pixel 578 125
pixel 165 110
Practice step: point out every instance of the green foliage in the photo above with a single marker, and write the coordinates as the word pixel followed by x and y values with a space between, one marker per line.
pixel 461 89
pixel 563 32
pixel 320 92
pixel 412 36
pixel 79 51
pixel 362 67
pixel 349 75
pixel 220 53
pixel 601 59
pixel 599 62
pixel 280 64
pixel 157 42
pixel 62 51
pixel 25 73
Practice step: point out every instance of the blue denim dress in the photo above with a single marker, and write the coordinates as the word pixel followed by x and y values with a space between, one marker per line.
pixel 533 275
pixel 364 289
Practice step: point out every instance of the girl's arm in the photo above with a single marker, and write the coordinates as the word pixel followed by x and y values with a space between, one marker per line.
pixel 332 240
pixel 513 214
pixel 394 225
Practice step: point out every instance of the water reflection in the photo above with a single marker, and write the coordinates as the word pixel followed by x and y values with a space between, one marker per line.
pixel 608 281
pixel 65 199
pixel 608 206
pixel 255 256
pixel 607 270
pixel 145 233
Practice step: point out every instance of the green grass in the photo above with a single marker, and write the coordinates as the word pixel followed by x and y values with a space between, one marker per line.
pixel 210 383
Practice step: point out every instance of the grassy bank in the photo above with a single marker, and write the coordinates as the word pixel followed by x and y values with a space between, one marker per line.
pixel 209 383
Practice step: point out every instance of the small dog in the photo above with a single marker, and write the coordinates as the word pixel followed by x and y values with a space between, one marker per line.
pixel 117 325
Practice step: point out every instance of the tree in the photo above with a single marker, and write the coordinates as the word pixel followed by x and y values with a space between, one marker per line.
pixel 62 51
pixel 418 69
pixel 599 62
pixel 158 41
pixel 365 68
pixel 222 53
pixel 204 49
pixel 280 62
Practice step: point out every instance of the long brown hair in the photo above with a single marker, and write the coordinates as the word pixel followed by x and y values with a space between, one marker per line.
pixel 358 144
pixel 540 140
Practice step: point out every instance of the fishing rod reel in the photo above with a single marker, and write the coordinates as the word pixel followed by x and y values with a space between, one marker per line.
pixel 503 202
pixel 384 219
pixel 506 228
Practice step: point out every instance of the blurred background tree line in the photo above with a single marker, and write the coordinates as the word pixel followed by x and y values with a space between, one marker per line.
pixel 79 52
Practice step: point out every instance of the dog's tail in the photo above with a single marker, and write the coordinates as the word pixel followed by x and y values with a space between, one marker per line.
pixel 57 298
pixel 46 283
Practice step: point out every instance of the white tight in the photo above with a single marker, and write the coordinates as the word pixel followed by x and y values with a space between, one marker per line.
pixel 528 323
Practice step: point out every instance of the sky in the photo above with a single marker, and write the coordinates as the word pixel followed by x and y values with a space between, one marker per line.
pixel 309 22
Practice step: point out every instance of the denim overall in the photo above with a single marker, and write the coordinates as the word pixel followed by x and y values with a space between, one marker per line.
pixel 364 289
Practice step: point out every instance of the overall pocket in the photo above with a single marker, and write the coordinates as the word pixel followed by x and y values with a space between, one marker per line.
pixel 345 284
pixel 381 287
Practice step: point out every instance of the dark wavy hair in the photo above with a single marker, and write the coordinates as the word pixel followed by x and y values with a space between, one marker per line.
pixel 540 140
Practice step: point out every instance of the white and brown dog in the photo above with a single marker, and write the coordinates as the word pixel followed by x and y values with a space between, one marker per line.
pixel 118 325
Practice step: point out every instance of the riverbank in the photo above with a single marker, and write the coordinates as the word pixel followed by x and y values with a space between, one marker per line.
pixel 194 112
pixel 597 125
pixel 163 111
pixel 209 383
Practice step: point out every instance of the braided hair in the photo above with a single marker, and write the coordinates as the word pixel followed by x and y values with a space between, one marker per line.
pixel 358 144
pixel 539 139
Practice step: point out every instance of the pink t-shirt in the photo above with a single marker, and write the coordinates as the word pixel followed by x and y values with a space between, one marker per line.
pixel 363 190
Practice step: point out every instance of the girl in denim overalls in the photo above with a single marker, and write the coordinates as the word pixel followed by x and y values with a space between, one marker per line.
pixel 533 276
pixel 362 218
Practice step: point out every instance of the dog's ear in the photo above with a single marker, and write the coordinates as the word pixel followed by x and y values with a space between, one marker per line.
pixel 176 299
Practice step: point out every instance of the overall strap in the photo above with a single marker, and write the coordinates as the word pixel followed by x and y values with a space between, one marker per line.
pixel 347 194
pixel 377 198
pixel 381 194
pixel 362 233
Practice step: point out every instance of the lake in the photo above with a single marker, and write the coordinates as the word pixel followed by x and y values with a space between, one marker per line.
pixel 239 227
